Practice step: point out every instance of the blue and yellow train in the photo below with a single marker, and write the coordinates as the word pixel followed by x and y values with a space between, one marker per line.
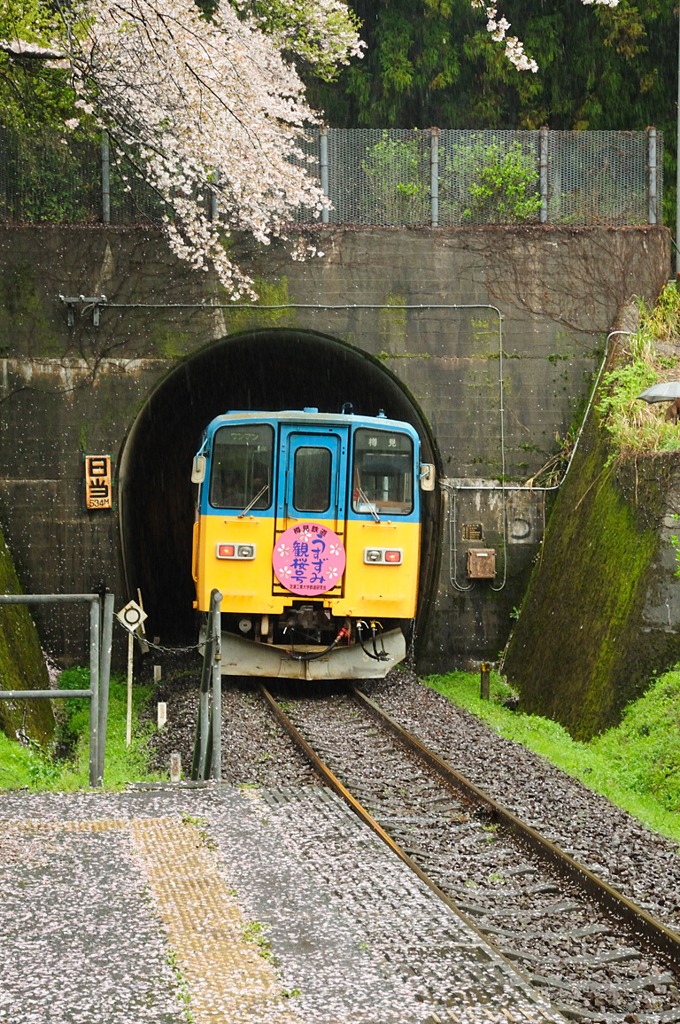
pixel 309 525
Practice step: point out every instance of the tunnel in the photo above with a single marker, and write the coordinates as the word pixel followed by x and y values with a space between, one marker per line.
pixel 267 370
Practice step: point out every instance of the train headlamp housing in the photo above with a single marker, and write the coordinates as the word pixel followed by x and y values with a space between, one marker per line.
pixel 383 556
pixel 237 552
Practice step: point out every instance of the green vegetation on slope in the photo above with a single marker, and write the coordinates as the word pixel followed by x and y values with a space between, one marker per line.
pixel 635 765
pixel 635 427
pixel 22 665
pixel 64 765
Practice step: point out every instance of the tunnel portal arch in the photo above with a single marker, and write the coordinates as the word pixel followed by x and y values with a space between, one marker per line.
pixel 271 370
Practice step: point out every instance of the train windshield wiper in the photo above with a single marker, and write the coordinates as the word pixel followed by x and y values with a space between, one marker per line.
pixel 246 510
pixel 370 506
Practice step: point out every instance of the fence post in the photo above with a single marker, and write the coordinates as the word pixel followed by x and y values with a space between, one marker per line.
pixel 543 146
pixel 651 176
pixel 434 175
pixel 209 717
pixel 203 717
pixel 94 686
pixel 106 617
pixel 216 729
pixel 106 179
pixel 323 167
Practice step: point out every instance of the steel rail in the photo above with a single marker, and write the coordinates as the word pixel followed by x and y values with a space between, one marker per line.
pixel 663 938
pixel 337 786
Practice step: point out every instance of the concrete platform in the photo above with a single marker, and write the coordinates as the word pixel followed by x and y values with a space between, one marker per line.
pixel 228 906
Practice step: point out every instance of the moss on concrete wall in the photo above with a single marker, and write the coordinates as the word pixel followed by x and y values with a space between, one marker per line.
pixel 22 666
pixel 581 649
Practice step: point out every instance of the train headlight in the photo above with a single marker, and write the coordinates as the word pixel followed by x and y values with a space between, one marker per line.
pixel 241 552
pixel 383 556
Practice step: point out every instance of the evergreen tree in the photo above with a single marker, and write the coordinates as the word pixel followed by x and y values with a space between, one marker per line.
pixel 432 62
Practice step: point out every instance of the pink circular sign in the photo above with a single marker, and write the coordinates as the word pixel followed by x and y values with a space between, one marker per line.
pixel 309 559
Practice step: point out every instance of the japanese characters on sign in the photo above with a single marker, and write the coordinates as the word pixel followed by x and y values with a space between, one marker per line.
pixel 309 559
pixel 98 490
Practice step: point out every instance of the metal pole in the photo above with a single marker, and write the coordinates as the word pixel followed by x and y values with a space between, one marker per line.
pixel 44 694
pixel 46 598
pixel 323 166
pixel 94 686
pixel 216 757
pixel 104 678
pixel 204 705
pixel 128 721
pixel 651 176
pixel 203 720
pixel 434 175
pixel 543 143
pixel 106 179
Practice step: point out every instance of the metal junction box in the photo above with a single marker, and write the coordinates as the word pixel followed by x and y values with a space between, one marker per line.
pixel 481 563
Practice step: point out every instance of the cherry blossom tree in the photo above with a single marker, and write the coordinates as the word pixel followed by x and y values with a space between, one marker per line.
pixel 210 109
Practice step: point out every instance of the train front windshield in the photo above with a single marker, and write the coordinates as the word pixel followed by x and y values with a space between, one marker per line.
pixel 312 486
pixel 242 462
pixel 383 472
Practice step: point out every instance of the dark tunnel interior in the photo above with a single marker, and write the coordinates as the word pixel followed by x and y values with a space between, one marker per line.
pixel 268 370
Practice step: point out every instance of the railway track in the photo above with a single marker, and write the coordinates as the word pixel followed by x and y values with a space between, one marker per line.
pixel 591 952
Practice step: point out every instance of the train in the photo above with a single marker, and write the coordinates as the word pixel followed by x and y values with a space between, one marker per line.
pixel 308 524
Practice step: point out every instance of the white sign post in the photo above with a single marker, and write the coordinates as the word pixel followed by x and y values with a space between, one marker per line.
pixel 132 617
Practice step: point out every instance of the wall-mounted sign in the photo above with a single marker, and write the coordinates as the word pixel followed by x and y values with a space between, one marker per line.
pixel 98 490
pixel 473 531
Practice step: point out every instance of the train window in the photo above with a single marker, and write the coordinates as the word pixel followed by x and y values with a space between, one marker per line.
pixel 383 472
pixel 312 486
pixel 242 467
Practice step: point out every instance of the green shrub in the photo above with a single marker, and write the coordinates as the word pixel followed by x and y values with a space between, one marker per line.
pixel 635 426
pixel 501 184
pixel 398 177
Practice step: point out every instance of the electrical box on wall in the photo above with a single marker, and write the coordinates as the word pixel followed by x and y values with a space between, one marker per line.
pixel 481 563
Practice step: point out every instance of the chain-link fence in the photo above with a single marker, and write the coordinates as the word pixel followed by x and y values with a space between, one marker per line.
pixel 46 179
pixel 375 177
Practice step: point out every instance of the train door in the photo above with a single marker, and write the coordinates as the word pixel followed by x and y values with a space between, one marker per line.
pixel 312 497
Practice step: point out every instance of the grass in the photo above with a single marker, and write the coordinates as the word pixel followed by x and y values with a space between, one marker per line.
pixel 635 765
pixel 37 768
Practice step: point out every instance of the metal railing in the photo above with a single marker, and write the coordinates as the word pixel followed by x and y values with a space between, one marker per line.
pixel 373 177
pixel 101 638
pixel 207 759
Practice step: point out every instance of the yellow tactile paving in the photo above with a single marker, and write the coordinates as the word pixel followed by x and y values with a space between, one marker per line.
pixel 228 979
pixel 226 976
pixel 99 825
